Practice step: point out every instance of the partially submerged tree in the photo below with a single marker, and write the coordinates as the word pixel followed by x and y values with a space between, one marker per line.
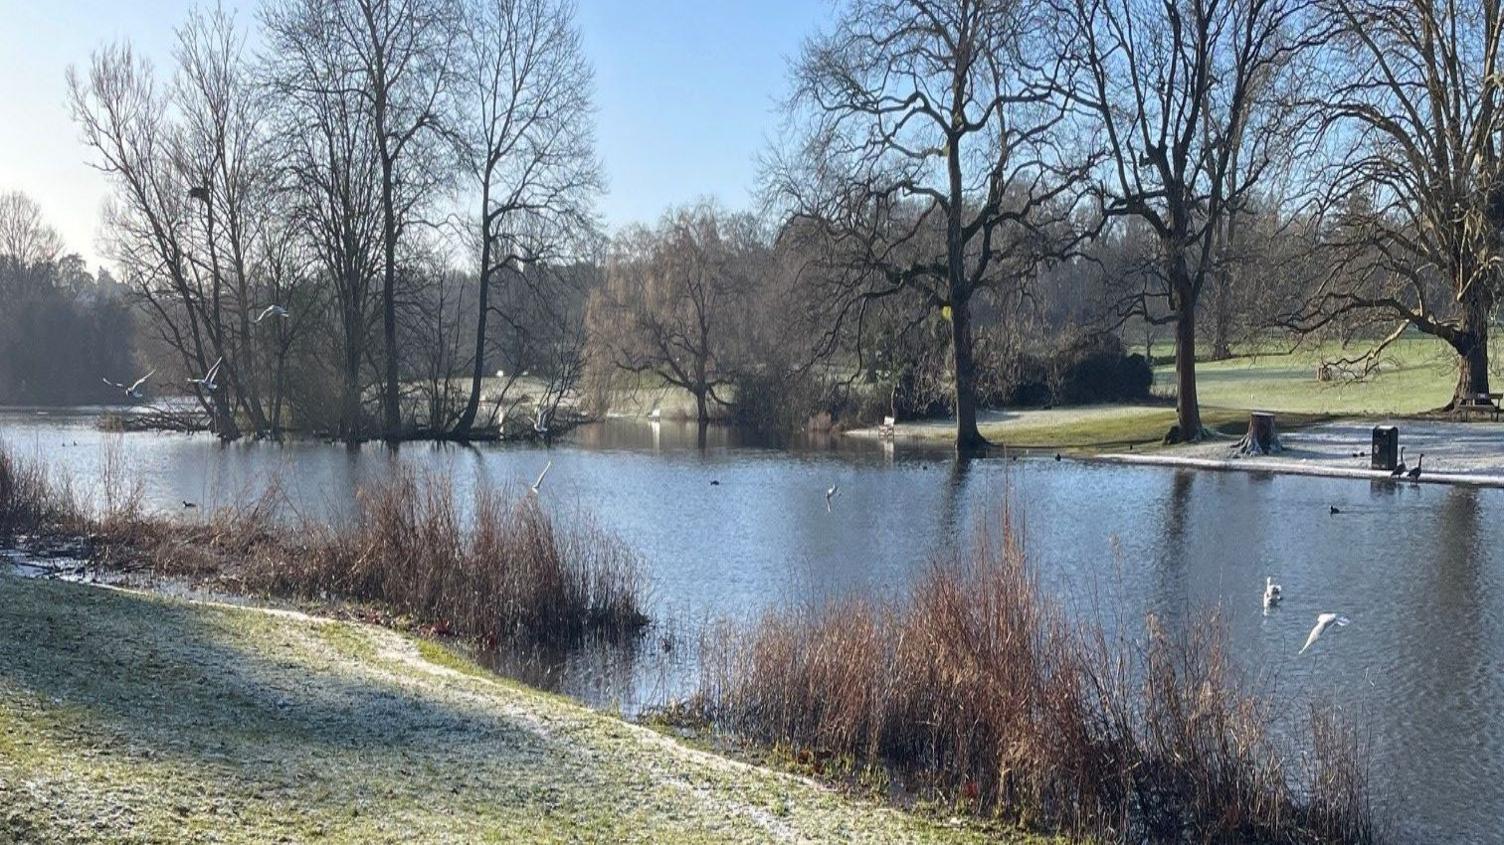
pixel 134 128
pixel 1415 207
pixel 528 150
pixel 1192 101
pixel 331 173
pixel 929 165
pixel 669 308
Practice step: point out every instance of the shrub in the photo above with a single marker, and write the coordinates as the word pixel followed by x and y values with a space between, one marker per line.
pixel 508 574
pixel 29 501
pixel 979 690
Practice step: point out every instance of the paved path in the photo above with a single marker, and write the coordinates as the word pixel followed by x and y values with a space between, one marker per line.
pixel 1455 452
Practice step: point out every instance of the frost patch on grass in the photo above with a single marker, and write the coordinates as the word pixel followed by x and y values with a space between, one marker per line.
pixel 127 716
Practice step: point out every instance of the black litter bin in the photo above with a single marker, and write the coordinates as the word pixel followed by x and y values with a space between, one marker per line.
pixel 1386 447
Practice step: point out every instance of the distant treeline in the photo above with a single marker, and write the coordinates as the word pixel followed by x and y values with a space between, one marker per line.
pixel 61 328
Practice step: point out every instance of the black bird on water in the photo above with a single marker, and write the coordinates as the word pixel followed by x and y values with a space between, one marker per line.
pixel 188 504
pixel 1335 511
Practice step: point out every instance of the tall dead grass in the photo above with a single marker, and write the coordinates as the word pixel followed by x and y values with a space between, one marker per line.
pixel 980 690
pixel 509 571
pixel 505 572
pixel 32 502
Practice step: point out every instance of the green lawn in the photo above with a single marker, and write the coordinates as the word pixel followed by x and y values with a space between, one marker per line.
pixel 131 718
pixel 1417 374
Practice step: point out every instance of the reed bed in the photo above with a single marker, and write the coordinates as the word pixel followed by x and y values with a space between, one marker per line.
pixel 506 572
pixel 30 501
pixel 978 690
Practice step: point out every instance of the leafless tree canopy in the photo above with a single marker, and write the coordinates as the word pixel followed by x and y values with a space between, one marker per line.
pixel 380 220
pixel 930 163
pixel 1414 197
pixel 1193 103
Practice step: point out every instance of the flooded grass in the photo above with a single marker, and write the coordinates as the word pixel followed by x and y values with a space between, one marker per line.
pixel 979 692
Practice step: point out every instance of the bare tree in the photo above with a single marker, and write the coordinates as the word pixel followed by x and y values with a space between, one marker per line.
pixel 25 237
pixel 1415 209
pixel 130 124
pixel 403 51
pixel 669 307
pixel 331 172
pixel 528 144
pixel 222 148
pixel 930 164
pixel 1189 97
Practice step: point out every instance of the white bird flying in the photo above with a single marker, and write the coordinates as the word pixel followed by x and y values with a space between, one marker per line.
pixel 134 390
pixel 537 485
pixel 271 311
pixel 207 382
pixel 1271 593
pixel 1323 621
pixel 540 424
pixel 831 494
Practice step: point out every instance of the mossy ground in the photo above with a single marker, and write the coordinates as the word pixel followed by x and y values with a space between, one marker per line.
pixel 127 717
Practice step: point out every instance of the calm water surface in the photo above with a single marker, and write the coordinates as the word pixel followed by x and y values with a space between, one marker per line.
pixel 1417 568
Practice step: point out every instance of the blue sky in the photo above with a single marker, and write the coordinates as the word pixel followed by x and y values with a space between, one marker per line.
pixel 686 94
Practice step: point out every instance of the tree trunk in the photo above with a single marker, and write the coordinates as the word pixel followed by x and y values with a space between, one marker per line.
pixel 968 439
pixel 1222 317
pixel 1187 408
pixel 467 417
pixel 1471 344
pixel 702 409
pixel 391 418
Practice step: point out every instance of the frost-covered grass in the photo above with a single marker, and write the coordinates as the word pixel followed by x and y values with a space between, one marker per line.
pixel 125 717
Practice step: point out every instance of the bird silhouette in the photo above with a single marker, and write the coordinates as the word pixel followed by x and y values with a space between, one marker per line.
pixel 271 311
pixel 1334 510
pixel 1399 468
pixel 207 382
pixel 1414 473
pixel 831 494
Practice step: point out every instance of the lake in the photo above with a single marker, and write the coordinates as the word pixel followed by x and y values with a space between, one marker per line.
pixel 1417 568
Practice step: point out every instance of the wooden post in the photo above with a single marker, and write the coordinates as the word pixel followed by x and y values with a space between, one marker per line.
pixel 1262 437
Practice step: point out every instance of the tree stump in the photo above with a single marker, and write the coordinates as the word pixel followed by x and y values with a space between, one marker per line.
pixel 1262 437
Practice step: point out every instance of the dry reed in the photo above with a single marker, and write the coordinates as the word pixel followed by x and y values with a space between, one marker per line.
pixel 979 690
pixel 508 573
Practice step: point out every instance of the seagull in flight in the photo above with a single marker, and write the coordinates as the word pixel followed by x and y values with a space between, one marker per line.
pixel 134 390
pixel 207 382
pixel 540 424
pixel 1323 621
pixel 831 494
pixel 271 311
pixel 539 483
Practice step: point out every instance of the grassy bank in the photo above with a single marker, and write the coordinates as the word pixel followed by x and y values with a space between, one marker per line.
pixel 131 718
pixel 1417 375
